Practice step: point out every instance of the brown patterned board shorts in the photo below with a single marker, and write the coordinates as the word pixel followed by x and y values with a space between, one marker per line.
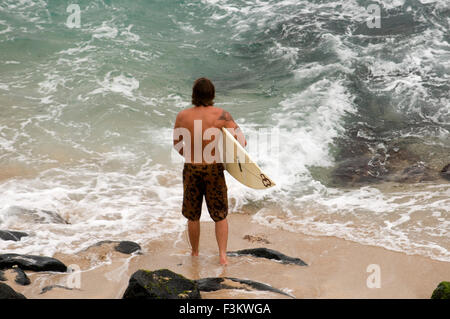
pixel 204 180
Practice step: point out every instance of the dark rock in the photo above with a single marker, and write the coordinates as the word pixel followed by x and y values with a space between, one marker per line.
pixel 31 262
pixel 442 291
pixel 361 169
pixel 445 172
pixel 212 284
pixel 21 277
pixel 127 247
pixel 417 172
pixel 48 288
pixel 12 235
pixel 217 283
pixel 37 216
pixel 6 292
pixel 160 284
pixel 269 254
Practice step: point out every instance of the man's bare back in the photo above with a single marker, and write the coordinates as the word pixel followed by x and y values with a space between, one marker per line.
pixel 198 120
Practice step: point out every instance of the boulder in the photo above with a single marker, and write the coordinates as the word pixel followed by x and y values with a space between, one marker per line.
pixel 12 235
pixel 218 283
pixel 445 172
pixel 160 284
pixel 31 262
pixel 127 247
pixel 269 254
pixel 6 292
pixel 442 291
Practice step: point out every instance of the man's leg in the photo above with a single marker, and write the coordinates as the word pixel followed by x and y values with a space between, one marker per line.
pixel 222 239
pixel 194 235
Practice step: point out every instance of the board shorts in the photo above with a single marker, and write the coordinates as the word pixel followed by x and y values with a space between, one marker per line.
pixel 204 180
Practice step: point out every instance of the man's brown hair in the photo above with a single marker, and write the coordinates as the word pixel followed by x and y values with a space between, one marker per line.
pixel 203 92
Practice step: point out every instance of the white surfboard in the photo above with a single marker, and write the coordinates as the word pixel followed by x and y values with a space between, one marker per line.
pixel 239 164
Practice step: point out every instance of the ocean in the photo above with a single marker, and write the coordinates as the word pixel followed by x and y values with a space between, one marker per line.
pixel 351 121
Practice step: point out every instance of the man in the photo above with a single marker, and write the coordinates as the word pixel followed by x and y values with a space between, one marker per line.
pixel 196 132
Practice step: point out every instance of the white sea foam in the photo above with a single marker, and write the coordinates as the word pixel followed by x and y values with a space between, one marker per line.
pixel 122 84
pixel 105 31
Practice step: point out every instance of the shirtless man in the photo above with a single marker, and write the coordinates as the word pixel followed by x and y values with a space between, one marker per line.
pixel 203 171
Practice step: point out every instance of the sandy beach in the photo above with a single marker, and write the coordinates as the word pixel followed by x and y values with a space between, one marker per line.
pixel 336 268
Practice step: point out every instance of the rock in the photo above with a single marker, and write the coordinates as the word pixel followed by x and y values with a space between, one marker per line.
pixel 2 276
pixel 269 254
pixel 445 172
pixel 218 283
pixel 160 284
pixel 12 235
pixel 48 288
pixel 21 277
pixel 36 216
pixel 415 173
pixel 31 262
pixel 361 169
pixel 442 291
pixel 127 247
pixel 6 292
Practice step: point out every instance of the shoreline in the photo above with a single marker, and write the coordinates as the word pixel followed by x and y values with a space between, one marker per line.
pixel 337 268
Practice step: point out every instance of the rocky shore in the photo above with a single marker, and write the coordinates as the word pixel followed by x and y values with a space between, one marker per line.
pixel 163 268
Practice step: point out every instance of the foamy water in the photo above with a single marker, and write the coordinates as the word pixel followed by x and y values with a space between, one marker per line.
pixel 87 115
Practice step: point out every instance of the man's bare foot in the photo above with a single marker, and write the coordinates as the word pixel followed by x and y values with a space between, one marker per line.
pixel 223 260
pixel 194 253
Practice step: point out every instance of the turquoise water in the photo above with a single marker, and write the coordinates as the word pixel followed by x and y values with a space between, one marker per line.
pixel 87 114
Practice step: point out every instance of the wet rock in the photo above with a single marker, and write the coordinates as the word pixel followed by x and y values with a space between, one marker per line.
pixel 269 254
pixel 442 291
pixel 403 161
pixel 6 292
pixel 160 284
pixel 37 216
pixel 415 173
pixel 48 288
pixel 218 283
pixel 12 235
pixel 127 247
pixel 21 277
pixel 361 169
pixel 445 172
pixel 31 262
pixel 105 246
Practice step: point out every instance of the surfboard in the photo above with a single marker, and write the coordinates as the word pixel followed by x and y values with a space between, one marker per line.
pixel 240 165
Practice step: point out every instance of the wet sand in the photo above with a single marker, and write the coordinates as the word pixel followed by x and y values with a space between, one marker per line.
pixel 336 268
